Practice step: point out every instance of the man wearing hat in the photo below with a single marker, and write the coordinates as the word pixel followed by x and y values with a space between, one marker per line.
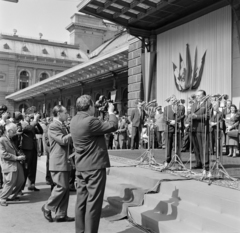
pixel 137 119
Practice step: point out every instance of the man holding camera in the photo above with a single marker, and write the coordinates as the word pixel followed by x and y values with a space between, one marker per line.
pixel 30 127
pixel 11 167
pixel 91 157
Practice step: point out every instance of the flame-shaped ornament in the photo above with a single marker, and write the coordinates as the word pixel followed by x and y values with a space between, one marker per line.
pixel 187 78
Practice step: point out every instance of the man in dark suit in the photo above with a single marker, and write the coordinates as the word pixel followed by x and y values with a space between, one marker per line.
pixel 172 113
pixel 91 157
pixel 200 114
pixel 29 148
pixel 137 119
pixel 59 167
pixel 11 167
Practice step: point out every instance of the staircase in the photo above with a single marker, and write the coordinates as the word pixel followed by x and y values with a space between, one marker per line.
pixel 179 205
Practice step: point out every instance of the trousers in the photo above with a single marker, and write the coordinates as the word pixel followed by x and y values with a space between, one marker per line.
pixel 90 192
pixel 13 183
pixel 58 201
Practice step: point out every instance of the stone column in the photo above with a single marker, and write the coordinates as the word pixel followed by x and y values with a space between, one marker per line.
pixel 135 90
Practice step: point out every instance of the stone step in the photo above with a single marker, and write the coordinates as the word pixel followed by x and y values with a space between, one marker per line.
pixel 141 177
pixel 197 216
pixel 160 223
pixel 220 199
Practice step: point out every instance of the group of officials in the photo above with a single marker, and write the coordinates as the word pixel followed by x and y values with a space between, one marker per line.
pixel 86 141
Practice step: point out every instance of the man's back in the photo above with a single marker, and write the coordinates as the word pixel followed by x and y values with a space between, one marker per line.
pixel 89 142
pixel 58 139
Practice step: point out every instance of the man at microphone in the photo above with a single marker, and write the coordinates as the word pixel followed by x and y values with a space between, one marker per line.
pixel 200 130
pixel 172 112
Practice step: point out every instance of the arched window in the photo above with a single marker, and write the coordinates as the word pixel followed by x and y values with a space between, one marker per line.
pixel 23 107
pixel 69 106
pixel 43 76
pixel 23 80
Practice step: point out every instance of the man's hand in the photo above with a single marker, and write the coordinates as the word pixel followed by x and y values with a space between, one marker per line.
pixel 193 116
pixel 172 122
pixel 110 108
pixel 21 157
pixel 36 117
pixel 5 116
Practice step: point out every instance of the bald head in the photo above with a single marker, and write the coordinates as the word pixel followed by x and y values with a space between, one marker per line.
pixel 11 129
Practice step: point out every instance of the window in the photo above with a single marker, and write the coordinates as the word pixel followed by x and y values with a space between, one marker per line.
pixel 44 51
pixel 6 46
pixel 25 49
pixel 43 76
pixel 23 80
pixel 23 107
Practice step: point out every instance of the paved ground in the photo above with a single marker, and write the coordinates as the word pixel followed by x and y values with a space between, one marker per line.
pixel 26 216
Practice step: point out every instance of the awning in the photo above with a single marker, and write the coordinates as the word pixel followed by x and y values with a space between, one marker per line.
pixel 144 17
pixel 97 68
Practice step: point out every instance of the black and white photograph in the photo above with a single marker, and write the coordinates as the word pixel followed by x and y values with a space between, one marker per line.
pixel 120 116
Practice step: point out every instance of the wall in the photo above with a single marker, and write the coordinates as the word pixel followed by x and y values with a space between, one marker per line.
pixel 211 33
pixel 135 88
pixel 236 63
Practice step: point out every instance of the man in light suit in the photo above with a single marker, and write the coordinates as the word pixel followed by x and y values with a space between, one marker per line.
pixel 91 157
pixel 59 167
pixel 11 167
pixel 137 119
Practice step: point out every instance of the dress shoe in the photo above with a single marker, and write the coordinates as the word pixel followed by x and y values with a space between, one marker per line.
pixel 3 203
pixel 14 199
pixel 47 214
pixel 33 188
pixel 64 219
pixel 197 167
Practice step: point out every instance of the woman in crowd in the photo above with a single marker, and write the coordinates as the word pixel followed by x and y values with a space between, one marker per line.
pixel 232 122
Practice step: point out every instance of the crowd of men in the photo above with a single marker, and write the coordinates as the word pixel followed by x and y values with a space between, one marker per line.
pixel 77 148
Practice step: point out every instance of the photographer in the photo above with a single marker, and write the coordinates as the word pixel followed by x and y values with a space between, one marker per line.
pixel 92 159
pixel 30 127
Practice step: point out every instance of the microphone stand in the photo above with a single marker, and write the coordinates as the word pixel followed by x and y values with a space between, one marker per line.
pixel 218 169
pixel 175 158
pixel 148 154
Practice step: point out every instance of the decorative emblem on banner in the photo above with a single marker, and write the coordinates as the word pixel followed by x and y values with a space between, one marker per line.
pixel 187 78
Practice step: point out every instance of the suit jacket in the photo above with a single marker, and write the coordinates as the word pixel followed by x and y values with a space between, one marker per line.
pixel 89 141
pixel 203 116
pixel 8 155
pixel 59 141
pixel 136 119
pixel 216 118
pixel 122 130
pixel 169 114
pixel 29 135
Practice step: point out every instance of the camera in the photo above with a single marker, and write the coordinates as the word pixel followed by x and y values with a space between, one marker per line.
pixel 102 104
